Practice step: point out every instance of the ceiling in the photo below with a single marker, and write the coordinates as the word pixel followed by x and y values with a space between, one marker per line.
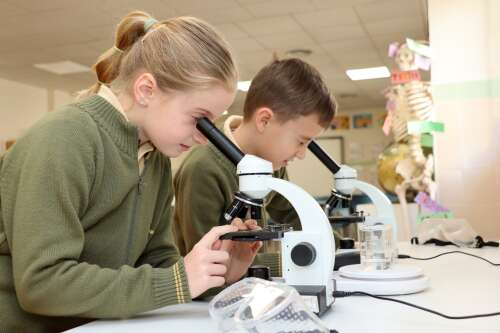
pixel 342 34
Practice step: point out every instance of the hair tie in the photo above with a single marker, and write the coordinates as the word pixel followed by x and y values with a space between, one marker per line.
pixel 117 49
pixel 149 23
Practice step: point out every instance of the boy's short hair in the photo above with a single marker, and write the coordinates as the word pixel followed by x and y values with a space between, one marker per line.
pixel 290 88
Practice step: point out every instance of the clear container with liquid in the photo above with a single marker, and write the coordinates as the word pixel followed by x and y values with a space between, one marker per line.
pixel 376 246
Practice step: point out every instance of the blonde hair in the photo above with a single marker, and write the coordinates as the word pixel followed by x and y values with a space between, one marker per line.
pixel 181 53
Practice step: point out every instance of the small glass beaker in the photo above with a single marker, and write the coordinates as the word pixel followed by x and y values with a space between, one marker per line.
pixel 274 246
pixel 376 246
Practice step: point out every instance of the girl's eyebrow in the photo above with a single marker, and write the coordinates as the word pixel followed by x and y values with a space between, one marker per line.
pixel 305 138
pixel 206 113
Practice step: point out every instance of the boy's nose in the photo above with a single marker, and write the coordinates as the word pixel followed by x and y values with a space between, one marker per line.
pixel 301 154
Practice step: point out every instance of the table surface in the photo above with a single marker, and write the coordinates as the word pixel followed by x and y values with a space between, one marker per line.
pixel 459 285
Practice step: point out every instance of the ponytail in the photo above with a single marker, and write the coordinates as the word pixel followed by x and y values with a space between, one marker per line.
pixel 181 53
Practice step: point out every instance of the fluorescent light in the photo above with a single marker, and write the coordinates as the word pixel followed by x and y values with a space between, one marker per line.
pixel 225 112
pixel 368 73
pixel 63 67
pixel 244 85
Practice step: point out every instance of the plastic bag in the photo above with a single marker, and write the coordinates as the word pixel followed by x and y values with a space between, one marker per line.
pixel 256 305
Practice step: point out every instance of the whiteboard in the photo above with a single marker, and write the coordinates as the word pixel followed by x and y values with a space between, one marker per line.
pixel 311 174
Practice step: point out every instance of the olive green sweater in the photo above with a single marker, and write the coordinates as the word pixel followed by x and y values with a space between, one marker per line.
pixel 204 187
pixel 82 234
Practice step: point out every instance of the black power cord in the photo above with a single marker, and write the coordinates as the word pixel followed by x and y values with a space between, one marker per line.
pixel 405 256
pixel 340 294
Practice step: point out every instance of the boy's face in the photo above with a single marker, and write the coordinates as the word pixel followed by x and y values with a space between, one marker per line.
pixel 281 143
pixel 170 122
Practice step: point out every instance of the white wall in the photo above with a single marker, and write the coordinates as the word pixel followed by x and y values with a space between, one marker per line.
pixel 59 99
pixel 466 80
pixel 22 105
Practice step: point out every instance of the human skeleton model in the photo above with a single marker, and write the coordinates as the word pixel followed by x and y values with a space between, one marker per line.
pixel 410 100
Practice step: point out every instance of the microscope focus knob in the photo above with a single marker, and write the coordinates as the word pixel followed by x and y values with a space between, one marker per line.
pixel 303 254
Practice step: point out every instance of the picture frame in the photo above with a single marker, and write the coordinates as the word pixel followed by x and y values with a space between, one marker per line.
pixel 341 122
pixel 362 120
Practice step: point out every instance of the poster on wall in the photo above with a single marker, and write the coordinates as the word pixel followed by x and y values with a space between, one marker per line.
pixel 341 123
pixel 363 120
pixel 380 119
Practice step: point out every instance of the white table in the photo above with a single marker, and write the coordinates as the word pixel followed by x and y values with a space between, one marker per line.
pixel 460 285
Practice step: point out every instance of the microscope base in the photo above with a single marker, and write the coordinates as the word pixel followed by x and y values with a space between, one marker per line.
pixel 398 280
pixel 314 297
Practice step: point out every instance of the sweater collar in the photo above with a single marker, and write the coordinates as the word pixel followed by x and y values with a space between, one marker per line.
pixel 230 125
pixel 112 99
pixel 124 134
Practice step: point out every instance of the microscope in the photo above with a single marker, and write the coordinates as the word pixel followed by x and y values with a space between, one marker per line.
pixel 346 183
pixel 308 256
pixel 395 278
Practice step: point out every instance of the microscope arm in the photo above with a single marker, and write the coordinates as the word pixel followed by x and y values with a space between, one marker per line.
pixel 385 211
pixel 311 216
pixel 316 236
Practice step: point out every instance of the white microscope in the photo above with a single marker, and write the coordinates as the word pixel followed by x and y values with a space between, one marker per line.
pixel 392 279
pixel 308 255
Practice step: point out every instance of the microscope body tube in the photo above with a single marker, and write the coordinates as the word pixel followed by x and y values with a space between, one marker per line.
pixel 214 135
pixel 324 157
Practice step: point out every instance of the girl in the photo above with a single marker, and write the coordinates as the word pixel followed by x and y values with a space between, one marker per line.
pixel 85 195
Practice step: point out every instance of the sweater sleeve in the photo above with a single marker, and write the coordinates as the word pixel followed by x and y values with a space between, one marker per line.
pixel 46 187
pixel 200 190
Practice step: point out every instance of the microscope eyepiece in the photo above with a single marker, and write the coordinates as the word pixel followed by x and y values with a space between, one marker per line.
pixel 324 157
pixel 219 140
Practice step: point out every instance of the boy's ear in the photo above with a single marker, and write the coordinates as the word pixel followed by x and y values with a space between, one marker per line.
pixel 263 117
pixel 144 86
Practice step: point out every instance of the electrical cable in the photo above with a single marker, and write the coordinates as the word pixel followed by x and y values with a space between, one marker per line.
pixel 339 294
pixel 405 256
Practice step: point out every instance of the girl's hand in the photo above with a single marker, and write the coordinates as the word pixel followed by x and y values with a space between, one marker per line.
pixel 241 254
pixel 206 263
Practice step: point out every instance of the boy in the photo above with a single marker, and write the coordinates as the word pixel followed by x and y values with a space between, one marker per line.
pixel 286 107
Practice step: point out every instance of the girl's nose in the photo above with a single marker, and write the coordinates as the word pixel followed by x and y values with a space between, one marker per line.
pixel 200 138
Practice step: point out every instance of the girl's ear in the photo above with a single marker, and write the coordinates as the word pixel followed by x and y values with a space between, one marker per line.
pixel 144 88
pixel 262 118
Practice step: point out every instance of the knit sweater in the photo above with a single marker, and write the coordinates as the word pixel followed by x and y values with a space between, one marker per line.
pixel 83 235
pixel 204 187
